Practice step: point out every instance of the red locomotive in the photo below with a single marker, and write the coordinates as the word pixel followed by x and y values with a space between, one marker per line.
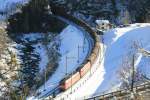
pixel 68 82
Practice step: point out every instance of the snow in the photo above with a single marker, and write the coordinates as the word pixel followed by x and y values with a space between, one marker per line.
pixel 87 85
pixel 9 6
pixel 119 43
pixel 4 4
pixel 40 49
pixel 145 62
pixel 5 67
pixel 71 38
pixel 99 22
pixel 32 36
pixel 15 48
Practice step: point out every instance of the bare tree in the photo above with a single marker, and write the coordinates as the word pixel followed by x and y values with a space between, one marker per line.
pixel 130 74
pixel 3 40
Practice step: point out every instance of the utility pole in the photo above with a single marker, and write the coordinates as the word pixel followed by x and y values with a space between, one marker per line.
pixel 71 81
pixel 66 65
pixel 133 73
pixel 84 42
pixel 67 58
pixel 133 79
pixel 45 80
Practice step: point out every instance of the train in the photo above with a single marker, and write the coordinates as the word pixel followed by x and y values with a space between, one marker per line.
pixel 86 66
pixel 73 78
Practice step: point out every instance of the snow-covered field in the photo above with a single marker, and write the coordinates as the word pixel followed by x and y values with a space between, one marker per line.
pixel 71 39
pixel 119 43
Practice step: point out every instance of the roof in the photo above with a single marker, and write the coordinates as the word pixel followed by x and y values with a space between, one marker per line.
pixel 102 21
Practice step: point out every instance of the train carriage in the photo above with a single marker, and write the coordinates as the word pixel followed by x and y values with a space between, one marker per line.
pixel 92 58
pixel 85 68
pixel 68 82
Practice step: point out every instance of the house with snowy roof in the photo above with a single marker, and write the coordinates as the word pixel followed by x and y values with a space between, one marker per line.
pixel 102 25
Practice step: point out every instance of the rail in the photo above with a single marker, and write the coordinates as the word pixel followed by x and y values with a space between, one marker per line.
pixel 86 28
pixel 78 22
pixel 121 92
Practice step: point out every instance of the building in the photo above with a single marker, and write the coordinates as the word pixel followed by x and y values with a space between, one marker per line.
pixel 103 25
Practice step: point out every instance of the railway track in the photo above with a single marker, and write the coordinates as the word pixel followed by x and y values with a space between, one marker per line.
pixel 119 93
pixel 90 38
pixel 90 42
pixel 86 34
pixel 122 93
pixel 90 35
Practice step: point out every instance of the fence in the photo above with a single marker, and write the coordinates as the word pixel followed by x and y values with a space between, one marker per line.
pixel 124 93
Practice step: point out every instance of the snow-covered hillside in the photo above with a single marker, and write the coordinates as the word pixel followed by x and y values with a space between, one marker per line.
pixel 117 44
pixel 6 4
pixel 8 7
pixel 71 39
pixel 120 43
pixel 12 59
